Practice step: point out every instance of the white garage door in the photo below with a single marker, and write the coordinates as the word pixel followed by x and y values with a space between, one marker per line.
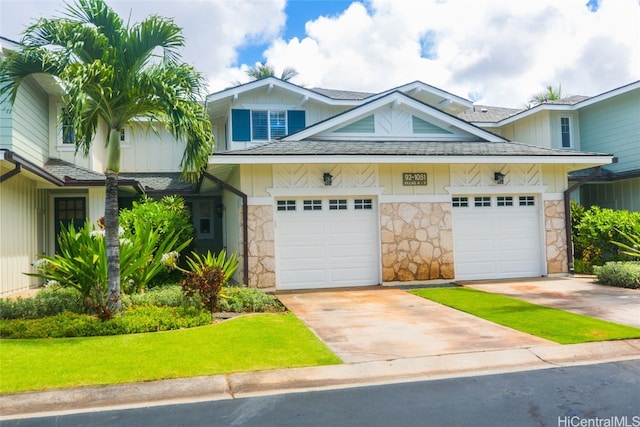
pixel 322 243
pixel 496 237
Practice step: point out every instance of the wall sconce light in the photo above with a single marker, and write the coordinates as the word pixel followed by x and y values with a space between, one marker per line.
pixel 498 177
pixel 327 177
pixel 220 210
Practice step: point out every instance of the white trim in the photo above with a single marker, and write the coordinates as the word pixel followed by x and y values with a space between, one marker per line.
pixel 325 191
pixel 260 201
pixel 589 161
pixel 267 107
pixel 497 189
pixel 414 198
pixel 552 196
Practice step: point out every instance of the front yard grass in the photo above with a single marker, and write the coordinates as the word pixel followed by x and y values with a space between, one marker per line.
pixel 544 322
pixel 247 343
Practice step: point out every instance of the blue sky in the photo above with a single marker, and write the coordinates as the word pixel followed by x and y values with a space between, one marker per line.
pixel 497 52
pixel 298 13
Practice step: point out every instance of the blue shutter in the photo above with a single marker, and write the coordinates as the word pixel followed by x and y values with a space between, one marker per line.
pixel 295 120
pixel 241 125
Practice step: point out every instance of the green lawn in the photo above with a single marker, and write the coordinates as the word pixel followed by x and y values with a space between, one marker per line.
pixel 248 343
pixel 549 323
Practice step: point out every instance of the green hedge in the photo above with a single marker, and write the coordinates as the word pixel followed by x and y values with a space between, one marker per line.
pixel 135 320
pixel 595 229
pixel 47 302
pixel 622 274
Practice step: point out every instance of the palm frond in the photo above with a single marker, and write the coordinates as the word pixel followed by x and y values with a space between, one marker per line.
pixel 154 32
pixel 31 60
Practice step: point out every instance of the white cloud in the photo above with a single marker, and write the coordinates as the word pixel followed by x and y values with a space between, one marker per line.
pixel 502 50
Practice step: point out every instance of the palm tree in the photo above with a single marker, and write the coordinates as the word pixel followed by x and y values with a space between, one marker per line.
pixel 113 73
pixel 550 94
pixel 262 70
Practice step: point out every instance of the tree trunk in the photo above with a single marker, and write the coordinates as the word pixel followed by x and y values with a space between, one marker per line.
pixel 114 304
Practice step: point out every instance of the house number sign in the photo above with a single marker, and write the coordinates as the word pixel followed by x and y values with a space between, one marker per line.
pixel 414 178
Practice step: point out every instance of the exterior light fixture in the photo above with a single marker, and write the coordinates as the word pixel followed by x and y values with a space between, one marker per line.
pixel 498 177
pixel 327 177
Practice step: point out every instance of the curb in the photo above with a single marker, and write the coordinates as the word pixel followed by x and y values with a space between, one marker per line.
pixel 248 384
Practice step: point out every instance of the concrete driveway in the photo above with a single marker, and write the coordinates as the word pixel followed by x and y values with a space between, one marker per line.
pixel 378 323
pixel 576 294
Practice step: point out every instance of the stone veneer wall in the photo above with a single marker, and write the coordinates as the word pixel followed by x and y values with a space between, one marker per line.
pixel 262 269
pixel 417 241
pixel 556 239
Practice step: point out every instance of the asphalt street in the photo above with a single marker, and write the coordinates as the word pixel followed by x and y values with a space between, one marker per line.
pixel 598 395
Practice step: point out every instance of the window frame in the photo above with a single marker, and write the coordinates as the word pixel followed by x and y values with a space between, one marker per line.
pixel 569 132
pixel 283 123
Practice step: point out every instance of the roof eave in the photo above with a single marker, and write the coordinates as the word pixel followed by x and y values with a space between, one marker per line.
pixel 582 160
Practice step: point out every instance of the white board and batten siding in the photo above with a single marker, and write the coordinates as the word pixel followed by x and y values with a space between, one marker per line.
pixel 326 242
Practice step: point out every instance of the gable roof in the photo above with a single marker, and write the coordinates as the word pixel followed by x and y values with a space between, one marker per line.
pixel 218 103
pixel 393 99
pixel 501 116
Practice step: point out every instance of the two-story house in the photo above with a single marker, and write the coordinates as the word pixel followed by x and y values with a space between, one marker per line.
pixel 334 188
pixel 607 123
pixel 311 187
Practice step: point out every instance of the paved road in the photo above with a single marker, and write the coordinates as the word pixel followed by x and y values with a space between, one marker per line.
pixel 559 397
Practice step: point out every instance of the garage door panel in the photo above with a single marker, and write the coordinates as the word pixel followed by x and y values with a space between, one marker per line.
pixel 496 241
pixel 303 253
pixel 305 278
pixel 340 246
pixel 295 229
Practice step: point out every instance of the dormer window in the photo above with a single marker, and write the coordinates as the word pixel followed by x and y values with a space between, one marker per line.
pixel 268 125
pixel 265 125
pixel 565 132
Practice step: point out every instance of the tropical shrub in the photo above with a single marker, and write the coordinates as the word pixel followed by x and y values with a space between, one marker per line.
pixel 594 235
pixel 631 244
pixel 617 273
pixel 238 299
pixel 206 275
pixel 169 217
pixel 135 320
pixel 48 301
pixel 81 262
pixel 160 296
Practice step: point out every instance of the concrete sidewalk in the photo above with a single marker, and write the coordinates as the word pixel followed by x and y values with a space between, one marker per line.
pixel 248 384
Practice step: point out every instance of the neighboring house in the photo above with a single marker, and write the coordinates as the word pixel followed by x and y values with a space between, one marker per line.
pixel 606 123
pixel 331 188
pixel 44 182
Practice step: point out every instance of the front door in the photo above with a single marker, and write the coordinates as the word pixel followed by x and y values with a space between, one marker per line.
pixel 69 210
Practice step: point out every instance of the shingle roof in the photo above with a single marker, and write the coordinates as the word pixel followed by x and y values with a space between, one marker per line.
pixel 161 182
pixel 341 94
pixel 489 114
pixel 400 148
pixel 65 171
pixel 484 113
